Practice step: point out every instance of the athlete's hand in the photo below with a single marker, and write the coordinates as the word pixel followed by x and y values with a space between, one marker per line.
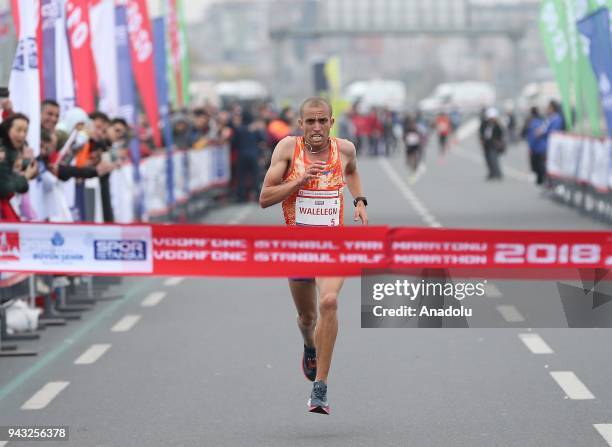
pixel 360 213
pixel 312 172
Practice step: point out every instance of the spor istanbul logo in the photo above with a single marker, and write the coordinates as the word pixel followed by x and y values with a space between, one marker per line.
pixel 120 250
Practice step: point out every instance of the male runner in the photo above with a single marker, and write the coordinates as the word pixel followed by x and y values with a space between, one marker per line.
pixel 311 171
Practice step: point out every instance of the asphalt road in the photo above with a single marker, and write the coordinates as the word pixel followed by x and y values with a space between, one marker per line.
pixel 215 362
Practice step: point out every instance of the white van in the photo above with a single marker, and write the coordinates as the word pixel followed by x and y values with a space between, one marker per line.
pixel 377 93
pixel 465 97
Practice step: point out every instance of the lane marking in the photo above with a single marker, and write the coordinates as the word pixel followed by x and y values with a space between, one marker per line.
pixel 510 314
pixel 126 323
pixel 408 194
pixel 3 443
pixel 171 282
pixel 92 354
pixel 492 291
pixel 44 396
pixel 571 385
pixel 68 343
pixel 535 343
pixel 605 430
pixel 242 214
pixel 153 299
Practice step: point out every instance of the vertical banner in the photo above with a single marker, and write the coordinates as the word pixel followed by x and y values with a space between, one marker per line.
pixel 159 37
pixel 184 51
pixel 102 24
pixel 586 84
pixel 596 29
pixel 79 37
pixel 49 14
pixel 552 28
pixel 24 83
pixel 64 80
pixel 141 47
pixel 174 59
pixel 127 104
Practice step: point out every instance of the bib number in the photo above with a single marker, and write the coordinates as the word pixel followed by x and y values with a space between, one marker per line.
pixel 317 208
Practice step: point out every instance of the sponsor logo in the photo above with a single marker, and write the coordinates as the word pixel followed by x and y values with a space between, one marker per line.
pixel 58 240
pixel 9 246
pixel 120 250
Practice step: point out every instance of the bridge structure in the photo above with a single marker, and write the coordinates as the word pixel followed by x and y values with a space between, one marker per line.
pixel 350 19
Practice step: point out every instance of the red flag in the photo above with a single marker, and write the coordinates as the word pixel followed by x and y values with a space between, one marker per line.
pixel 83 67
pixel 15 11
pixel 141 50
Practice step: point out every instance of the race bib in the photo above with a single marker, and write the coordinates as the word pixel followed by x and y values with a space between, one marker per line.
pixel 413 139
pixel 317 208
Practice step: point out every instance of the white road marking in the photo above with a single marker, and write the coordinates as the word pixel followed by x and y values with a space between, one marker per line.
pixel 153 299
pixel 44 396
pixel 242 214
pixel 175 281
pixel 492 291
pixel 571 385
pixel 408 194
pixel 535 343
pixel 92 354
pixel 126 323
pixel 510 314
pixel 605 430
pixel 3 443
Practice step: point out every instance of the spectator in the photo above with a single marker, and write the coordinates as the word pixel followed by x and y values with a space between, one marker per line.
pixel 493 142
pixel 537 145
pixel 246 139
pixel 181 132
pixel 202 132
pixel 17 167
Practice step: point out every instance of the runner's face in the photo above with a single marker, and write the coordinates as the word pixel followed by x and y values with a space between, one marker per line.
pixel 316 124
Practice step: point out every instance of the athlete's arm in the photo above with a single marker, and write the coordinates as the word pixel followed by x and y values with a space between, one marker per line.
pixel 353 180
pixel 274 190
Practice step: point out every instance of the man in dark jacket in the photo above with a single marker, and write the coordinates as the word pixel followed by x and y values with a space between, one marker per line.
pixel 493 143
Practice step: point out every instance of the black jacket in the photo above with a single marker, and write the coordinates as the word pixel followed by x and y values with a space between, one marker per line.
pixel 10 181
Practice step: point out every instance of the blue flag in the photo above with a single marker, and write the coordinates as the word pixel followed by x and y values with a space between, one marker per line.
pixel 159 39
pixel 127 98
pixel 596 29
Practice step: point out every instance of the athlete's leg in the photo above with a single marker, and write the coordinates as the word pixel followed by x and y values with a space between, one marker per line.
pixel 304 295
pixel 327 326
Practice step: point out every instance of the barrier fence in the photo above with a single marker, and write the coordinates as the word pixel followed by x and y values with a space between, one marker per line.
pixel 580 172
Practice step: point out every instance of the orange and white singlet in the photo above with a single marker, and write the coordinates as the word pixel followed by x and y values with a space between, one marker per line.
pixel 319 203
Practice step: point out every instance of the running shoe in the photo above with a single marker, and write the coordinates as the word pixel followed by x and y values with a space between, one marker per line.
pixel 318 399
pixel 309 363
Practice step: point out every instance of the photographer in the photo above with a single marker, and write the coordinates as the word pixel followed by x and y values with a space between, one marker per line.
pixel 17 165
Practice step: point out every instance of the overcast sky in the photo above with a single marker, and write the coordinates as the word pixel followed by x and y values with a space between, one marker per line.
pixel 194 9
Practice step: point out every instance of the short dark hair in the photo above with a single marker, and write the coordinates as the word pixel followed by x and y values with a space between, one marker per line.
pixel 49 102
pixel 97 115
pixel 200 111
pixel 119 121
pixel 316 101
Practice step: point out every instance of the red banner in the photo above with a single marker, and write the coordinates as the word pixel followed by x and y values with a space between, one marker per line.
pixel 270 251
pixel 83 67
pixel 141 49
